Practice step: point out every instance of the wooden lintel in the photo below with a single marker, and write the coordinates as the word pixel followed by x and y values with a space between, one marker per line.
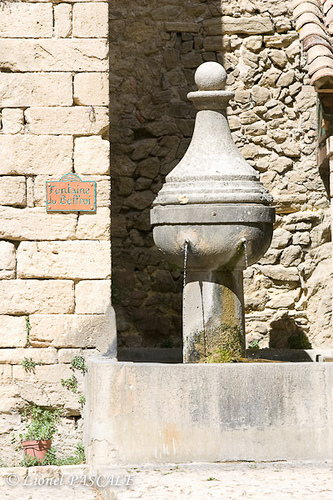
pixel 324 91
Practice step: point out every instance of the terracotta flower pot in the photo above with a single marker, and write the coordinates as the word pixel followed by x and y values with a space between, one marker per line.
pixel 36 449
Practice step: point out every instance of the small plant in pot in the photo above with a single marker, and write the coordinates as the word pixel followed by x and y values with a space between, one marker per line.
pixel 40 428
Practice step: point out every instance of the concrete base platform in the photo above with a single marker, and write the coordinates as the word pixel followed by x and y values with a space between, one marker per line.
pixel 162 413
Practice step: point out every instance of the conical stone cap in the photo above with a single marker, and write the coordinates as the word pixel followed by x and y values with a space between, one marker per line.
pixel 212 170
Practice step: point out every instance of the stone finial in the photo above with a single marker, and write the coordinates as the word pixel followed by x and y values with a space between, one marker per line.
pixel 210 76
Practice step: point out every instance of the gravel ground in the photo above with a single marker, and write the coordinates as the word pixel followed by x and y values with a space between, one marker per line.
pixel 200 481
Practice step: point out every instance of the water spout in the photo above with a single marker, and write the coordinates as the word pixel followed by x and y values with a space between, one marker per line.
pixel 186 247
pixel 244 244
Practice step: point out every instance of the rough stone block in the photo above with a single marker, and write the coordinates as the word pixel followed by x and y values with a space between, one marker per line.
pixel 66 355
pixel 253 25
pixel 66 259
pixel 44 387
pixel 30 89
pixel 213 43
pixel 60 54
pixel 7 260
pixel 5 376
pixel 73 330
pixel 24 20
pixel 94 226
pixel 281 273
pixel 46 356
pixel 13 331
pixel 36 296
pixel 91 89
pixel 91 155
pixel 35 224
pixel 76 120
pixel 90 20
pixel 182 27
pixel 12 121
pixel 62 20
pixel 23 154
pixel 92 297
pixel 13 191
pixel 10 399
pixel 49 374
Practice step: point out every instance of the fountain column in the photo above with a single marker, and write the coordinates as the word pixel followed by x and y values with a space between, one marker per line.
pixel 213 205
pixel 213 316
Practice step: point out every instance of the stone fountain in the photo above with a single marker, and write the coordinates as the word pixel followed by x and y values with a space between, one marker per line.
pixel 212 214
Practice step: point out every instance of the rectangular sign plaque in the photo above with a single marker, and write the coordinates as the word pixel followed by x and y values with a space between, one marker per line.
pixel 70 194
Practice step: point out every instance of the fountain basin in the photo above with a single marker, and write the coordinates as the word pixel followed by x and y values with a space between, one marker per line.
pixel 228 236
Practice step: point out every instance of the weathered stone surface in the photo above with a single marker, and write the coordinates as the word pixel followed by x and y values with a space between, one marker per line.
pixel 9 402
pixel 70 330
pixel 91 155
pixel 253 43
pixel 92 297
pixel 13 332
pixel 24 154
pixel 213 43
pixel 12 121
pixel 5 378
pixel 24 20
pixel 62 20
pixel 90 20
pixel 66 355
pixel 278 57
pixel 53 55
pixel 182 27
pixel 302 239
pixel 32 296
pixel 13 191
pixel 286 78
pixel 291 256
pixel 282 300
pixel 253 25
pixel 91 89
pixel 67 120
pixel 66 259
pixel 7 260
pixel 47 356
pixel 288 416
pixel 31 89
pixel 44 388
pixel 94 226
pixel 281 273
pixel 35 224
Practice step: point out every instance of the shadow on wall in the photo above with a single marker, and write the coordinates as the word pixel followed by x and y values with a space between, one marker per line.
pixel 286 334
pixel 154 51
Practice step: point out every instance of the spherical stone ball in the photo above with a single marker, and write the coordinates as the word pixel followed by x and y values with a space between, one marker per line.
pixel 210 76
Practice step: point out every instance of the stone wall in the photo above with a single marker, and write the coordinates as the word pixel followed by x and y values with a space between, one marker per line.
pixel 155 50
pixel 54 267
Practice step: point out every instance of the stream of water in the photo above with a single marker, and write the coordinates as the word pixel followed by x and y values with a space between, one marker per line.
pixel 186 246
pixel 244 242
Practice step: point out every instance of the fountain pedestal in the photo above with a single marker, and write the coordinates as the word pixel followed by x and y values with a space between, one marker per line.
pixel 213 206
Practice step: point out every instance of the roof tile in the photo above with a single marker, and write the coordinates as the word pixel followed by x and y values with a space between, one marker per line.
pixel 323 78
pixel 307 7
pixel 318 51
pixel 312 29
pixel 306 18
pixel 320 63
